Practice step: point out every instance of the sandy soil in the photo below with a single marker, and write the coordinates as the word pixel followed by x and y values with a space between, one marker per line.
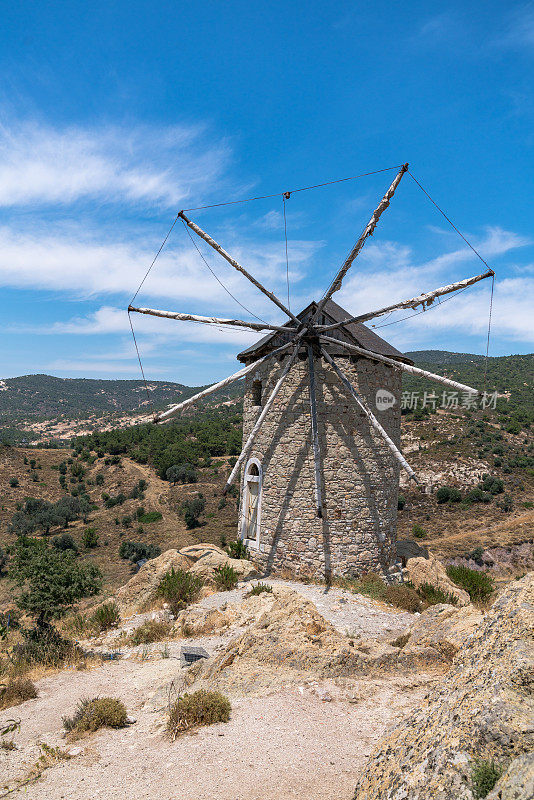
pixel 288 743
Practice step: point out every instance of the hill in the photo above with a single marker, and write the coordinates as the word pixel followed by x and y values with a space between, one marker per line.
pixel 43 408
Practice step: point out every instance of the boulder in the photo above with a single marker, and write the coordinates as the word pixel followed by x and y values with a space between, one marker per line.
pixel 140 590
pixel 444 627
pixel 194 552
pixel 517 783
pixel 206 565
pixel 430 570
pixel 482 709
pixel 408 548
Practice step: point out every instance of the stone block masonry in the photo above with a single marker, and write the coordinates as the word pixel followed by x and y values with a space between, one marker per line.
pixel 360 474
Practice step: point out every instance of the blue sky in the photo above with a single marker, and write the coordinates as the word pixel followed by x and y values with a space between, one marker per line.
pixel 113 116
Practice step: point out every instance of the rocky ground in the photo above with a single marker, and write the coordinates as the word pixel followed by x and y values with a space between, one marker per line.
pixel 277 729
pixel 330 690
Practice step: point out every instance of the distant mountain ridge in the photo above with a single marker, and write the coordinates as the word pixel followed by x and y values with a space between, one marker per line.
pixel 35 404
pixel 445 357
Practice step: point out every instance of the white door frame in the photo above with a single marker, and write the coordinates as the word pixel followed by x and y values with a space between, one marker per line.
pixel 252 544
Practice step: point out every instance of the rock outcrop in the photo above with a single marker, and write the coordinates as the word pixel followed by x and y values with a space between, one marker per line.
pixel 443 626
pixel 206 565
pixel 517 783
pixel 200 559
pixel 137 594
pixel 289 641
pixel 483 709
pixel 430 570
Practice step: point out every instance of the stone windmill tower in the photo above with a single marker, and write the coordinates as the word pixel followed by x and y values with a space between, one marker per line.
pixel 321 433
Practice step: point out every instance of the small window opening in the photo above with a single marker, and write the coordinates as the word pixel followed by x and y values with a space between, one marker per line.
pixel 256 393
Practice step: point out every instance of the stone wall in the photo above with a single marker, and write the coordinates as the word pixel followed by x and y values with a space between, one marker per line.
pixel 357 532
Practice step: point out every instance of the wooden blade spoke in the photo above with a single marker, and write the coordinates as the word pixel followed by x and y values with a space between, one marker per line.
pixel 239 323
pixel 369 230
pixel 400 365
pixel 217 247
pixel 315 434
pixel 254 432
pixel 369 414
pixel 163 416
pixel 424 300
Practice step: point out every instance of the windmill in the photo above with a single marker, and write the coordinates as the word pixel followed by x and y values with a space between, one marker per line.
pixel 320 467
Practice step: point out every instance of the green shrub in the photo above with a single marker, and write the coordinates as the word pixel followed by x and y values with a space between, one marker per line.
pixel 448 494
pixel 238 549
pixel 507 503
pixel 137 551
pixel 418 531
pixel 225 577
pixel 200 708
pixel 432 595
pixel 90 538
pixel 479 585
pixel 106 616
pixel 478 496
pixel 150 631
pixel 369 584
pixel 484 776
pixel 13 482
pixel 51 580
pixel 401 502
pixel 64 542
pixel 181 473
pixel 16 691
pixel 179 588
pixel 151 516
pixel 99 479
pixel 44 645
pixel 259 588
pixel 192 510
pixel 403 596
pixel 99 712
pixel 492 485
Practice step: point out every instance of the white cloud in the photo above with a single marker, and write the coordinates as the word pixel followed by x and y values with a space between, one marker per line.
pixel 73 261
pixel 43 165
pixel 395 277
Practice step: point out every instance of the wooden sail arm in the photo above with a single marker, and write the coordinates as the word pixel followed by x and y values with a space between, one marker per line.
pixel 425 299
pixel 315 434
pixel 163 416
pixel 254 432
pixel 369 230
pixel 400 365
pixel 217 247
pixel 239 323
pixel 369 414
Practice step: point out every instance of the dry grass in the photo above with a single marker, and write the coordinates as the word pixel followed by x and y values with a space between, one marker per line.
pixel 16 691
pixel 95 713
pixel 150 631
pixel 203 707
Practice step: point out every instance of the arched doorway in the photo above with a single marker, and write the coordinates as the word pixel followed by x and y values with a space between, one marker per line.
pixel 250 531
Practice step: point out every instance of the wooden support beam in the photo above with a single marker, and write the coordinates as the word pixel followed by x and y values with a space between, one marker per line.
pixel 217 247
pixel 353 348
pixel 369 414
pixel 369 230
pixel 239 323
pixel 163 416
pixel 315 435
pixel 425 299
pixel 254 432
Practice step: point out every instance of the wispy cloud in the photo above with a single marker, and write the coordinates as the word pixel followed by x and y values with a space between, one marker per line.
pixel 78 262
pixel 40 165
pixel 395 275
pixel 519 31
